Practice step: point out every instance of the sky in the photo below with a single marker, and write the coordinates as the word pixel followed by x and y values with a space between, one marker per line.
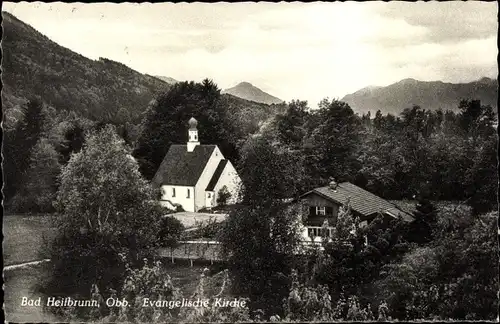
pixel 305 51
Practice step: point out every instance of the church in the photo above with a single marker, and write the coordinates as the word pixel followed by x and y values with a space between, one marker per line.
pixel 194 175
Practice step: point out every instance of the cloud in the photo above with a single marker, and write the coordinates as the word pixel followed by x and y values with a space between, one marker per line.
pixel 291 50
pixel 446 22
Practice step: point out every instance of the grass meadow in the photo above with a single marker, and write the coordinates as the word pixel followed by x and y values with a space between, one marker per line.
pixel 24 240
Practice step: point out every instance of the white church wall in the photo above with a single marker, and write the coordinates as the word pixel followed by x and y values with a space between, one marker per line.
pixel 209 200
pixel 180 197
pixel 206 175
pixel 231 180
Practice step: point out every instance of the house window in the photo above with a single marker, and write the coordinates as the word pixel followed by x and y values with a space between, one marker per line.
pixel 188 194
pixel 173 192
pixel 320 210
pixel 209 196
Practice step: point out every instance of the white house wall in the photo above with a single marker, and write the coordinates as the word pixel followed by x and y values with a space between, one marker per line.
pixel 180 196
pixel 205 177
pixel 231 180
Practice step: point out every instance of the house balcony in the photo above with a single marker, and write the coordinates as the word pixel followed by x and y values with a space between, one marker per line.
pixel 316 233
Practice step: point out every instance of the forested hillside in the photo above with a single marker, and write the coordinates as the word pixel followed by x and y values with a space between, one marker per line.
pixel 52 96
pixel 33 65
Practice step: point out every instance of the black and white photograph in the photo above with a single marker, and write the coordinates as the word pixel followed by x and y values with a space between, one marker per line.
pixel 250 162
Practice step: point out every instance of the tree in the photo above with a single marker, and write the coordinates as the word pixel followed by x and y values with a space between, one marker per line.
pixel 258 244
pixel 18 145
pixel 73 142
pixel 481 180
pixel 107 217
pixel 258 239
pixel 453 277
pixel 223 196
pixel 165 123
pixel 334 141
pixel 290 126
pixel 39 186
pixel 268 171
pixel 354 256
pixel 425 220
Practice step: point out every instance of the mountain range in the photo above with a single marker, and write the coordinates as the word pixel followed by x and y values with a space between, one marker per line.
pixel 431 95
pixel 100 90
pixel 246 90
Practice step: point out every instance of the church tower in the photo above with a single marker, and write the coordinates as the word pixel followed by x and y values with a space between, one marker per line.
pixel 192 135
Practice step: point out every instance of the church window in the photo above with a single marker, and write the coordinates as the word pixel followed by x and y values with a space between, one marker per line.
pixel 173 192
pixel 188 194
pixel 195 137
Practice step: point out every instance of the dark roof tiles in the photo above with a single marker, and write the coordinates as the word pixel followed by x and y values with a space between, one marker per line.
pixel 216 176
pixel 183 168
pixel 361 201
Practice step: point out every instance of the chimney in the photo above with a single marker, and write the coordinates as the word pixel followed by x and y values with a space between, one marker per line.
pixel 333 184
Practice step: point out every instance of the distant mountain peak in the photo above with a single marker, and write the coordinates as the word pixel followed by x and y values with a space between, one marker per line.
pixel 244 84
pixel 248 91
pixel 431 95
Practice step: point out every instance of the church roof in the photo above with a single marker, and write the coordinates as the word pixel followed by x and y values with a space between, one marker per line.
pixel 216 176
pixel 183 168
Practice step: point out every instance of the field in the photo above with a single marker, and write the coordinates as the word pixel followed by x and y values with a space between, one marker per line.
pixel 23 283
pixel 190 219
pixel 25 237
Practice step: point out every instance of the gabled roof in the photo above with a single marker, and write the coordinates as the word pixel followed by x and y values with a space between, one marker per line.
pixel 183 168
pixel 216 176
pixel 363 202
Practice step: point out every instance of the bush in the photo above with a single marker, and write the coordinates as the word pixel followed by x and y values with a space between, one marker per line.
pixel 223 196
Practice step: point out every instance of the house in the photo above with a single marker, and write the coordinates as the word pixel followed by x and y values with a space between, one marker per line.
pixel 194 174
pixel 323 204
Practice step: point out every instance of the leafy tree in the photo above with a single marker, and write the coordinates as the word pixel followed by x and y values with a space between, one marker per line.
pixel 170 231
pixel 481 180
pixel 106 216
pixel 334 142
pixel 354 255
pixel 258 239
pixel 73 141
pixel 290 126
pixel 425 221
pixel 268 171
pixel 454 277
pixel 223 196
pixel 475 119
pixel 18 145
pixel 165 123
pixel 258 244
pixel 39 186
